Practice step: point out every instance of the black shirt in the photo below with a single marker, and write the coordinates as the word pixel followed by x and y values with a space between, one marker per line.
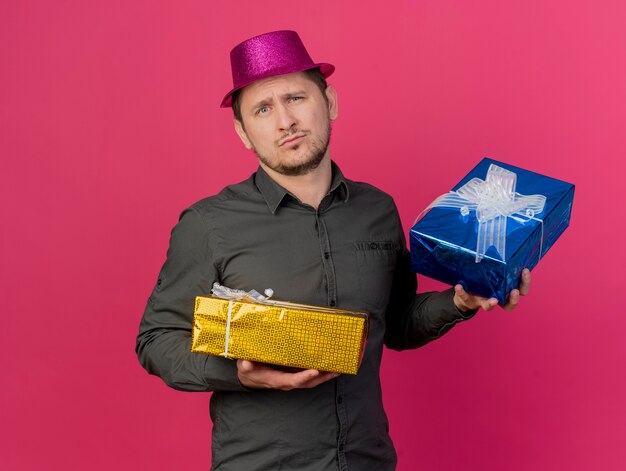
pixel 349 253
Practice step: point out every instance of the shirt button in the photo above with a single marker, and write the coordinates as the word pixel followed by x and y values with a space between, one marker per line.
pixel 332 302
pixel 373 245
pixel 341 447
pixel 339 399
pixel 326 255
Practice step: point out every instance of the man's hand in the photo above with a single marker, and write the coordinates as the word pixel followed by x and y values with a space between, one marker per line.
pixel 466 301
pixel 261 376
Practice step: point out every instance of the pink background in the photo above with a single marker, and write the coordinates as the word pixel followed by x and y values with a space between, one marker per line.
pixel 110 126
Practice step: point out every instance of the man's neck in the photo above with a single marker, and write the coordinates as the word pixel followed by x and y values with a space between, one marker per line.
pixel 310 188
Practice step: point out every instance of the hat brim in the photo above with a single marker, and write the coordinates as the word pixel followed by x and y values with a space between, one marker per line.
pixel 325 69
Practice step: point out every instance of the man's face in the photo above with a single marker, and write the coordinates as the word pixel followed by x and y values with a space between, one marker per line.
pixel 286 120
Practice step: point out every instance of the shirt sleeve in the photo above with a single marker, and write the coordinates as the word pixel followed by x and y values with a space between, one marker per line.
pixel 414 319
pixel 164 341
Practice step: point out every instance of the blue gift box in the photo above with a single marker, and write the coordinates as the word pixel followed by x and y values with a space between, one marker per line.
pixel 457 241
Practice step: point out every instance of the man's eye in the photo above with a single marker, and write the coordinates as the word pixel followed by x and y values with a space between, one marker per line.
pixel 262 110
pixel 296 98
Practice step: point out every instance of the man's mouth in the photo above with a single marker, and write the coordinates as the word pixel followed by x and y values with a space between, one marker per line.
pixel 291 139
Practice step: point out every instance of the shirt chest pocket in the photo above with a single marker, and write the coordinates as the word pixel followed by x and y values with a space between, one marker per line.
pixel 376 264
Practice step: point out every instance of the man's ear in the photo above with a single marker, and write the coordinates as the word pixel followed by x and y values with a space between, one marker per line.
pixel 242 134
pixel 333 106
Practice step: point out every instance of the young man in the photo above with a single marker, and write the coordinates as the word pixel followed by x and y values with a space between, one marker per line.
pixel 300 227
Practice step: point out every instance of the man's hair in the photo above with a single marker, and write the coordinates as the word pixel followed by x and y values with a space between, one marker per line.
pixel 312 74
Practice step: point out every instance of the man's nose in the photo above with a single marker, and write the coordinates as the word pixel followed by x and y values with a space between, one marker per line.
pixel 285 117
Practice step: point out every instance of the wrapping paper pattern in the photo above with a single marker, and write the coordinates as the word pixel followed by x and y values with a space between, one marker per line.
pixel 280 333
pixel 444 241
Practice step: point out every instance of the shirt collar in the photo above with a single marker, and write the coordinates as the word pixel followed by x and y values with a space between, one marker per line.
pixel 274 194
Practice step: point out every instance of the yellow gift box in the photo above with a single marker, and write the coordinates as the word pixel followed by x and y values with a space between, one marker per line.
pixel 280 333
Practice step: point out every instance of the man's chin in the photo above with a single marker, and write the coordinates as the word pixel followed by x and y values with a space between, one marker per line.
pixel 295 169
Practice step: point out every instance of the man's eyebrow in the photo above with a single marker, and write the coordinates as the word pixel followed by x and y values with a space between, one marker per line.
pixel 296 93
pixel 263 102
pixel 259 104
pixel 268 101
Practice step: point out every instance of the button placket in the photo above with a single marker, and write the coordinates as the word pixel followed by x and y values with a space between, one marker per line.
pixel 342 415
pixel 327 260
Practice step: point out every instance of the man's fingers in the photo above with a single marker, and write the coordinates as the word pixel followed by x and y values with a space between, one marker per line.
pixel 260 375
pixel 513 300
pixel 245 366
pixel 460 291
pixel 299 379
pixel 467 301
pixel 488 304
pixel 307 379
pixel 516 294
pixel 524 287
pixel 321 377
pixel 463 300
